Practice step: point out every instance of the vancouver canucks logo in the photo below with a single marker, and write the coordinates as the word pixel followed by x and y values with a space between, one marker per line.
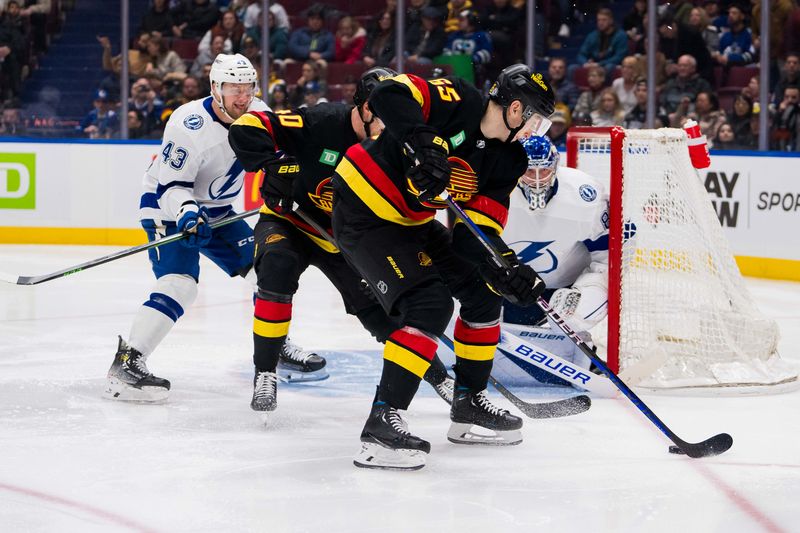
pixel 193 122
pixel 463 180
pixel 322 197
pixel 462 187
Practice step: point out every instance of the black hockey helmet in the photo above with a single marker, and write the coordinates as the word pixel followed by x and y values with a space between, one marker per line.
pixel 518 82
pixel 369 80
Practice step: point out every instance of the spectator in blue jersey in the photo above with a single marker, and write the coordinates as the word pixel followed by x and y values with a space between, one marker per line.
pixel 101 122
pixel 313 41
pixel 470 40
pixel 606 46
pixel 736 45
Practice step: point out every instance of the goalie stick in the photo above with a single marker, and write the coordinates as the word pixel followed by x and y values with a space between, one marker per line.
pixel 556 409
pixel 34 280
pixel 569 406
pixel 712 446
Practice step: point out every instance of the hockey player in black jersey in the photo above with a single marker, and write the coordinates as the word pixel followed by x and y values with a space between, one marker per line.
pixel 298 151
pixel 439 134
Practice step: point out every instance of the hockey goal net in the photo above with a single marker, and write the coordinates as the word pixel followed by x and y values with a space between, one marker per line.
pixel 679 313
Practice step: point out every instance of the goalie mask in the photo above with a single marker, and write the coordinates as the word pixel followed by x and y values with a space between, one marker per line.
pixel 232 69
pixel 538 180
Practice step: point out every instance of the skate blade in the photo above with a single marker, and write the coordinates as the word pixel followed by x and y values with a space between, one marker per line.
pixel 288 375
pixel 464 434
pixel 122 392
pixel 374 455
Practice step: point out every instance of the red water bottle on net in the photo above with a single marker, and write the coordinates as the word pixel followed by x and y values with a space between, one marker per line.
pixel 698 145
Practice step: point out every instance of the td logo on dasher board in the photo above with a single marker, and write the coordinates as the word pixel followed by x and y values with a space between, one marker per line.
pixel 17 181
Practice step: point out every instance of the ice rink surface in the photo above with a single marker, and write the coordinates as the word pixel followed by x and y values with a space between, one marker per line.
pixel 71 461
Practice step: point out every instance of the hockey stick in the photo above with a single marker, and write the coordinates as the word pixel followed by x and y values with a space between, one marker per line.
pixel 556 409
pixel 569 406
pixel 712 446
pixel 34 280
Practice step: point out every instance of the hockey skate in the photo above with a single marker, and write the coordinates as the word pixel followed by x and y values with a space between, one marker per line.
pixel 129 379
pixel 298 365
pixel 440 380
pixel 386 442
pixel 445 389
pixel 265 391
pixel 471 409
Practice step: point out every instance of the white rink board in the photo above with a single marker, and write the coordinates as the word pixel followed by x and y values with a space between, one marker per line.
pixel 760 199
pixel 98 186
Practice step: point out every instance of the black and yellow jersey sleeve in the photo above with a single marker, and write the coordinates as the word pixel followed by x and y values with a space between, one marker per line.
pixel 317 137
pixel 450 105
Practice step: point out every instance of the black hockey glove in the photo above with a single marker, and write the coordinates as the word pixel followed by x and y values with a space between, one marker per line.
pixel 279 176
pixel 431 173
pixel 518 283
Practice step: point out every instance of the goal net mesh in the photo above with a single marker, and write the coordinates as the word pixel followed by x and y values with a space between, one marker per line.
pixel 686 318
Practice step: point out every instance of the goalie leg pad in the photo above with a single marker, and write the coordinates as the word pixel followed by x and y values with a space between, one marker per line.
pixel 518 371
pixel 171 296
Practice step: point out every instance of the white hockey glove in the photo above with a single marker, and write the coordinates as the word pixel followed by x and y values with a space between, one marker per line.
pixel 581 313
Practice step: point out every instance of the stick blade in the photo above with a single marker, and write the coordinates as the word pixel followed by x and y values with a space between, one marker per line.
pixel 9 278
pixel 560 408
pixel 708 448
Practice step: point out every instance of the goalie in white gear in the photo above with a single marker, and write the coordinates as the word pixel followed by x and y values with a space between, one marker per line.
pixel 557 224
pixel 192 182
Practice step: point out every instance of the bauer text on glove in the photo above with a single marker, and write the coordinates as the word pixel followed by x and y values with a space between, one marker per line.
pixel 279 176
pixel 431 172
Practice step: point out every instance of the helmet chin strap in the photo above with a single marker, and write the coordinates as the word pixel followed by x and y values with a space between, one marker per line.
pixel 512 131
pixel 367 124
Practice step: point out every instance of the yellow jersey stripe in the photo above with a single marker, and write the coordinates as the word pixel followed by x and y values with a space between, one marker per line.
pixel 406 359
pixel 473 352
pixel 316 239
pixel 270 329
pixel 249 120
pixel 367 193
pixel 415 92
pixel 482 220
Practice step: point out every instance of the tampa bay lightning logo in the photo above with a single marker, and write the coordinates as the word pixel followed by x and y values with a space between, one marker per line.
pixel 227 186
pixel 587 192
pixel 528 252
pixel 193 122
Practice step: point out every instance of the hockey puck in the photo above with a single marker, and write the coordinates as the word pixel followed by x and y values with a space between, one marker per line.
pixel 676 450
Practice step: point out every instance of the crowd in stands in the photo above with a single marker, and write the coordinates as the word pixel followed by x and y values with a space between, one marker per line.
pixel 706 60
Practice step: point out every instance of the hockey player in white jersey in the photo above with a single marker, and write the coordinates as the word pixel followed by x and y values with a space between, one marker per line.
pixel 557 224
pixel 192 182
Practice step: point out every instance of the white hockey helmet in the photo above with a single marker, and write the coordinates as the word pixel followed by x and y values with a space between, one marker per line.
pixel 541 174
pixel 231 68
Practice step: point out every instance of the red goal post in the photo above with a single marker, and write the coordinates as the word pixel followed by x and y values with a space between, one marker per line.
pixel 679 313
